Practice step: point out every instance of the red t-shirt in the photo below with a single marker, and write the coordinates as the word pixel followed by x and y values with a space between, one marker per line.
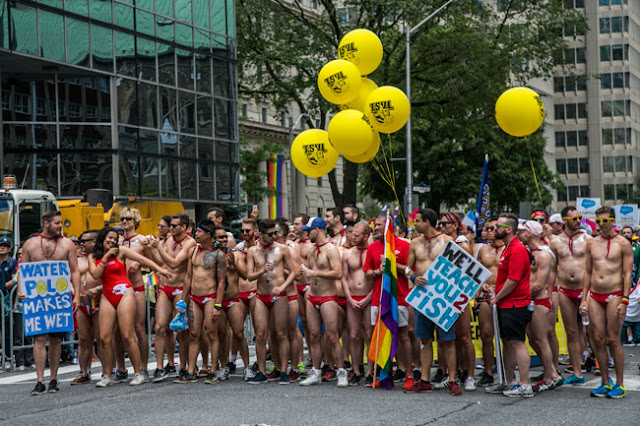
pixel 514 265
pixel 372 263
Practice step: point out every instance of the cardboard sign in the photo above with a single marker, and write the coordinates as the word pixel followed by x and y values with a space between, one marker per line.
pixel 452 280
pixel 47 307
pixel 626 215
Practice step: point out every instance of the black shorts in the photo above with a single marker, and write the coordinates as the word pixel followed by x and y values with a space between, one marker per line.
pixel 513 323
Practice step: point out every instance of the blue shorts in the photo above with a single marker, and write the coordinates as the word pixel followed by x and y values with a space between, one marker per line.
pixel 425 328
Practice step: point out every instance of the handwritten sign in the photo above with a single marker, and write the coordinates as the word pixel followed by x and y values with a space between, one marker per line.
pixel 452 280
pixel 47 307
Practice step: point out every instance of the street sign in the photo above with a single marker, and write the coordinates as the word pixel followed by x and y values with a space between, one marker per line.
pixel 422 188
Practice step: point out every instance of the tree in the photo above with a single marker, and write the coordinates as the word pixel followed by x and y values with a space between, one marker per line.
pixel 461 61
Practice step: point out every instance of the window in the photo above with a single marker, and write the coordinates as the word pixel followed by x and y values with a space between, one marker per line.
pixel 616 52
pixel 561 166
pixel 585 191
pixel 607 137
pixel 609 192
pixel 559 112
pixel 572 139
pixel 572 165
pixel 607 165
pixel 583 139
pixel 573 192
pixel 583 165
pixel 582 110
pixel 623 191
pixel 620 163
pixel 616 24
pixel 605 81
pixel 264 115
pixel 558 84
pixel 560 138
pixel 605 53
pixel 607 110
pixel 619 136
pixel 573 4
pixel 571 111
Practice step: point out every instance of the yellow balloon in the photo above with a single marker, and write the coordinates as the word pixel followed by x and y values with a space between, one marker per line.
pixel 369 154
pixel 358 103
pixel 339 82
pixel 312 154
pixel 388 108
pixel 350 132
pixel 519 111
pixel 363 48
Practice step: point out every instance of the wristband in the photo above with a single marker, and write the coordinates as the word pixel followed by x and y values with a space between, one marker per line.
pixel 625 300
pixel 218 306
pixel 413 278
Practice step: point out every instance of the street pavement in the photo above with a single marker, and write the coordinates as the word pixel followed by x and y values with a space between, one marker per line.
pixel 234 402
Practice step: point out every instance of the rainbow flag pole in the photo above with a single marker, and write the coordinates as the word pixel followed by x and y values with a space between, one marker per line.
pixel 384 343
pixel 275 166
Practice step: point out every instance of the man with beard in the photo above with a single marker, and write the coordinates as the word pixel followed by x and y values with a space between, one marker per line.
pixel 351 215
pixel 335 229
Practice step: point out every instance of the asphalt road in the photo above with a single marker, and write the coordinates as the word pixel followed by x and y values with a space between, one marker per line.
pixel 234 402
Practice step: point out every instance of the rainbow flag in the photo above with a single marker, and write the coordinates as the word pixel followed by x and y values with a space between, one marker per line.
pixel 92 303
pixel 275 184
pixel 384 342
pixel 152 279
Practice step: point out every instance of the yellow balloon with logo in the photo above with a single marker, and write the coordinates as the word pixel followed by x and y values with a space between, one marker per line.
pixel 388 109
pixel 369 154
pixel 519 111
pixel 363 48
pixel 312 154
pixel 339 82
pixel 350 132
pixel 366 87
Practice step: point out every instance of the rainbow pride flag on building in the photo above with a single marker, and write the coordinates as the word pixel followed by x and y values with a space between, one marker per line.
pixel 275 166
pixel 384 342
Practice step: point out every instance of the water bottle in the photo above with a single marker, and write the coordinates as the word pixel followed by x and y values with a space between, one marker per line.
pixel 532 306
pixel 585 318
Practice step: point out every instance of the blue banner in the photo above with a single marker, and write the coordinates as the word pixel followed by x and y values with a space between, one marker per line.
pixel 483 212
pixel 47 307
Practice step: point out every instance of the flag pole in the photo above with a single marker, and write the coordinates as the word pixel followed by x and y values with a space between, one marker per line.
pixel 496 331
pixel 384 244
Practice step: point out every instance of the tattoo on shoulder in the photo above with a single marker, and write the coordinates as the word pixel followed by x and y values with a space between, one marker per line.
pixel 209 260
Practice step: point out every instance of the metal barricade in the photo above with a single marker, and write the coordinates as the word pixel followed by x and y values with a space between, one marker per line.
pixel 5 350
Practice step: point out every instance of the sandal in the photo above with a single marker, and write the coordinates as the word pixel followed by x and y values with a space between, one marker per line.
pixel 203 373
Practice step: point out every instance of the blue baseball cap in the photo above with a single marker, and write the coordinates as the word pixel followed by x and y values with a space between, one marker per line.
pixel 5 241
pixel 315 222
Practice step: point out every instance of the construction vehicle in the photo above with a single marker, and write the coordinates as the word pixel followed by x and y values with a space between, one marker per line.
pixel 21 211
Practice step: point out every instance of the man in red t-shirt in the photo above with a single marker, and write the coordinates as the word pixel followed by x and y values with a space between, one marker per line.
pixel 374 269
pixel 513 295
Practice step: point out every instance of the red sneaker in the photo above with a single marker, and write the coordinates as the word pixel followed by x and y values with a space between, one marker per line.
pixel 408 383
pixel 273 376
pixel 418 387
pixel 454 388
pixel 294 376
pixel 329 375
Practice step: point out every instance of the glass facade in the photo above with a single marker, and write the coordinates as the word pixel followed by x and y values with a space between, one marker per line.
pixel 138 97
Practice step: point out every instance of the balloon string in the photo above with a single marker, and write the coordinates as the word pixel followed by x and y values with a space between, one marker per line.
pixel 533 169
pixel 392 176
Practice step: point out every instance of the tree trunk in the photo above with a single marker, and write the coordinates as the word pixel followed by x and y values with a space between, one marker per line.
pixel 349 185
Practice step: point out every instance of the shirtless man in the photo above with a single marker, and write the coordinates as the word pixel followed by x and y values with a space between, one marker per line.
pixel 489 255
pixel 335 228
pixel 607 283
pixel 542 279
pixel 216 215
pixel 204 285
pixel 131 219
pixel 266 263
pixel 570 251
pixel 174 252
pixel 324 269
pixel 50 245
pixel 450 224
pixel 246 288
pixel 87 318
pixel 302 248
pixel 358 290
pixel 232 313
pixel 422 252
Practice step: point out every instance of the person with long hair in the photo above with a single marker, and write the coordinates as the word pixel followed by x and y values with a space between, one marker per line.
pixel 107 263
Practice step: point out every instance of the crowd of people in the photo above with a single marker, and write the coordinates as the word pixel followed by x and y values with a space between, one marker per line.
pixel 319 280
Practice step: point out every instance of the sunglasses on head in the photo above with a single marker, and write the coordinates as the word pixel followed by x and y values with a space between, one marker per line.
pixel 122 219
pixel 503 225
pixel 605 220
pixel 575 219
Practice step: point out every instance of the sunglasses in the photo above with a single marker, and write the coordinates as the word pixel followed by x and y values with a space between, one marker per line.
pixel 122 219
pixel 605 220
pixel 540 220
pixel 87 240
pixel 490 228
pixel 173 225
pixel 222 236
pixel 246 231
pixel 271 234
pixel 503 225
pixel 445 223
pixel 575 219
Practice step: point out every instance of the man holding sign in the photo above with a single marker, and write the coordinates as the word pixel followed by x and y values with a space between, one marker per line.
pixel 422 253
pixel 513 295
pixel 51 247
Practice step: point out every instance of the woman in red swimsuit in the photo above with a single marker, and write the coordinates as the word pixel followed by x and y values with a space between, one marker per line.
pixel 107 263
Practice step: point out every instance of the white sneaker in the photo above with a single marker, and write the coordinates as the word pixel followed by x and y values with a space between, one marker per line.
pixel 106 381
pixel 343 382
pixel 247 374
pixel 313 378
pixel 444 384
pixel 138 379
pixel 469 384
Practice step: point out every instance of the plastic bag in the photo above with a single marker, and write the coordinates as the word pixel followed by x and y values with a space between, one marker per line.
pixel 179 323
pixel 181 306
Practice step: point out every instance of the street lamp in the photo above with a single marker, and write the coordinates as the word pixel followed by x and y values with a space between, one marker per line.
pixel 408 32
pixel 293 192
